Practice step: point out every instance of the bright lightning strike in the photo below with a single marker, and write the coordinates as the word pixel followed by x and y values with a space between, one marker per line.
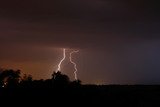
pixel 75 65
pixel 64 57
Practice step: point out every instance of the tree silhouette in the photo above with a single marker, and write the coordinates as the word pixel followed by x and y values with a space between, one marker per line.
pixel 9 78
pixel 27 77
pixel 26 80
pixel 60 79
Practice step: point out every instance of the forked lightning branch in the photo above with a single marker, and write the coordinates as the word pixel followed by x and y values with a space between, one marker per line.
pixel 71 61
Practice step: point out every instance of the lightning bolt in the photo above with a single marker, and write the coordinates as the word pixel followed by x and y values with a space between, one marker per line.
pixel 60 63
pixel 75 65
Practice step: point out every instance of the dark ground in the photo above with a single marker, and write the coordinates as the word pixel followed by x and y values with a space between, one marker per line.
pixel 106 95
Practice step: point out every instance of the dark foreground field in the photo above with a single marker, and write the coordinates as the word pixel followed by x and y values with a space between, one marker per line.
pixel 108 95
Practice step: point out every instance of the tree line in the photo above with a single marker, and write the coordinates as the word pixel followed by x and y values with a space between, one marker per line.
pixel 10 78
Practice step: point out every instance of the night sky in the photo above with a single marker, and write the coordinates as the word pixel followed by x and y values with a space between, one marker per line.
pixel 118 40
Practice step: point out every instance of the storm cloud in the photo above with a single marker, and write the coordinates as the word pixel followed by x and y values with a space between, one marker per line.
pixel 119 37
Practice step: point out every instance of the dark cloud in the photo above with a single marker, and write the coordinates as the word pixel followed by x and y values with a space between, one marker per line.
pixel 121 37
